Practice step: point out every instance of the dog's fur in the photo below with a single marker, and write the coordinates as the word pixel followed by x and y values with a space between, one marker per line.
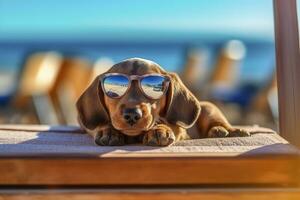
pixel 164 121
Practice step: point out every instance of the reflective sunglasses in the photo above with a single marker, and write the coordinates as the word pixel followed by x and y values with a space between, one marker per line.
pixel 116 85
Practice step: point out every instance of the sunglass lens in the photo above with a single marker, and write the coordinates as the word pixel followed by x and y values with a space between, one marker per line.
pixel 153 86
pixel 115 85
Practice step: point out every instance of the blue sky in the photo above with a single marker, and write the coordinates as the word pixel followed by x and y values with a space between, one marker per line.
pixel 132 19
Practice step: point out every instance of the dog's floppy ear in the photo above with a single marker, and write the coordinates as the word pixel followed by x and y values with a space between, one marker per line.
pixel 91 109
pixel 182 107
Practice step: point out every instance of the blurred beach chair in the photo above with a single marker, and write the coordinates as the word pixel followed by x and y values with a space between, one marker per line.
pixel 222 85
pixel 50 85
pixel 194 71
pixel 37 79
pixel 72 79
pixel 227 68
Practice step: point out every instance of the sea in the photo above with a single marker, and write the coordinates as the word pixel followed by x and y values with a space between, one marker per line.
pixel 256 67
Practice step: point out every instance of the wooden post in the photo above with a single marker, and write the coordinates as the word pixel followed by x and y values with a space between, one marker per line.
pixel 288 68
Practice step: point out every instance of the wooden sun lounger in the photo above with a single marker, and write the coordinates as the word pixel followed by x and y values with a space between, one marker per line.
pixel 63 163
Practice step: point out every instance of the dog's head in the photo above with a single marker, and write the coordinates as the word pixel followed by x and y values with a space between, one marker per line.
pixel 134 112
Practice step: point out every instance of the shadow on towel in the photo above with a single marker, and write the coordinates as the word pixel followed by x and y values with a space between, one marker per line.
pixel 273 149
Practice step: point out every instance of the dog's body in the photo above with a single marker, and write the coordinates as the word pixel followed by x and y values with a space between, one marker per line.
pixel 163 121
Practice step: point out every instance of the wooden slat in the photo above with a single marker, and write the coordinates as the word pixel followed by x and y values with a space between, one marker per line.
pixel 274 170
pixel 288 68
pixel 153 194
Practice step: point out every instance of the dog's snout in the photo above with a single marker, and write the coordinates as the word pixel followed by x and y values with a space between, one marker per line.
pixel 132 115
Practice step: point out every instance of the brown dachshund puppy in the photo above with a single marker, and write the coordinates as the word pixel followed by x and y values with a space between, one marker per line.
pixel 135 111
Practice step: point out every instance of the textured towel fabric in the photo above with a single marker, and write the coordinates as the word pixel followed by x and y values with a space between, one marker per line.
pixel 33 140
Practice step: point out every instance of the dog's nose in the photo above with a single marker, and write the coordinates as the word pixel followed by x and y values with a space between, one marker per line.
pixel 132 115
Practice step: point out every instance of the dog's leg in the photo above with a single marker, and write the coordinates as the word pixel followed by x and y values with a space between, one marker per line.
pixel 221 131
pixel 108 136
pixel 160 135
pixel 212 123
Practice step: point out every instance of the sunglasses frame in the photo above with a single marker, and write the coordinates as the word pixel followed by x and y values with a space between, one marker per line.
pixel 135 77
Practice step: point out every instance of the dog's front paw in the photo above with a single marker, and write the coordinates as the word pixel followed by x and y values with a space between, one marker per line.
pixel 238 132
pixel 220 131
pixel 160 135
pixel 217 131
pixel 109 137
